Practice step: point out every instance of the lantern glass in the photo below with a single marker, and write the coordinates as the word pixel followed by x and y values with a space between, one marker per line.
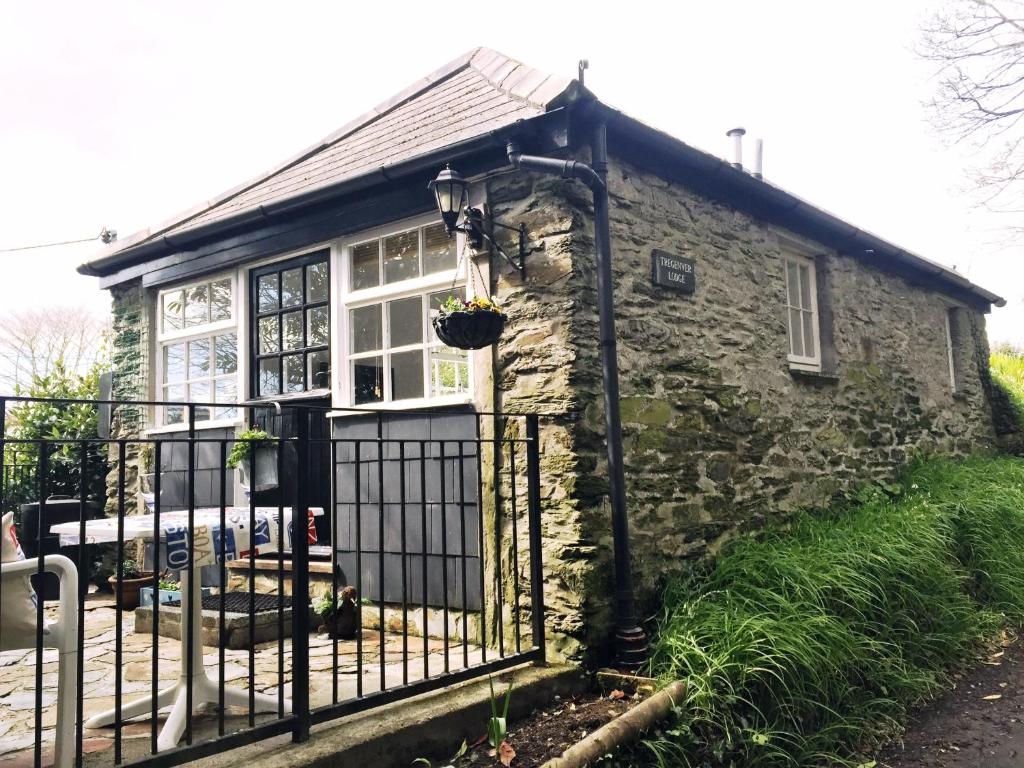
pixel 450 190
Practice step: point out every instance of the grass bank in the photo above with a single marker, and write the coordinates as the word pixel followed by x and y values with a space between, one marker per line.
pixel 802 646
pixel 1007 367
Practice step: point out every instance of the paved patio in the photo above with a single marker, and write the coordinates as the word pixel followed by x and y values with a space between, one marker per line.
pixel 17 681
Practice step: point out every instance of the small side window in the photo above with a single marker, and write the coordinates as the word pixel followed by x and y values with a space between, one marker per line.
pixel 802 313
pixel 954 346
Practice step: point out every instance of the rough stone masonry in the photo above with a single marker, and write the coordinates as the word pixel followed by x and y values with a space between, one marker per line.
pixel 720 435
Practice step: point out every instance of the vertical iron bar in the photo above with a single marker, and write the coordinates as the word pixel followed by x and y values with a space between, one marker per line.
pixel 536 541
pixel 300 583
pixel 154 732
pixel 380 540
pixel 44 460
pixel 405 585
pixel 280 563
pixel 444 559
pixel 252 580
pixel 334 563
pixel 424 538
pixel 359 571
pixel 462 553
pixel 192 575
pixel 480 537
pixel 222 464
pixel 516 615
pixel 499 612
pixel 119 601
pixel 83 571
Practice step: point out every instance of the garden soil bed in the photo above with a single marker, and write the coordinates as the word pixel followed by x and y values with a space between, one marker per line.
pixel 547 733
pixel 978 723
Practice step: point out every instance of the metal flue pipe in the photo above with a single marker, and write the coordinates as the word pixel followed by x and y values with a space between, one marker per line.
pixel 630 639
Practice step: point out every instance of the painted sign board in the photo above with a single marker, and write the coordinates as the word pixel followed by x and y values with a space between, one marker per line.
pixel 670 271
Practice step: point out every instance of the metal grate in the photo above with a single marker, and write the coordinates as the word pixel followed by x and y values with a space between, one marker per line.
pixel 239 602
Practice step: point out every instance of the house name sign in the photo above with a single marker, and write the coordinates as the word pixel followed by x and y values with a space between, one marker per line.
pixel 670 271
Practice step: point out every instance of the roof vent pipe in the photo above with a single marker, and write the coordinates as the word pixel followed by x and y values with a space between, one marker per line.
pixel 737 146
pixel 759 159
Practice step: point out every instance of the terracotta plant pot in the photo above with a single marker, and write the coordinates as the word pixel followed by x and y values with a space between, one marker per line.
pixel 469 330
pixel 129 599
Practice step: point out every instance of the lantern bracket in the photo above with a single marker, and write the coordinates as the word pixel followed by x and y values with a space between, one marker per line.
pixel 475 229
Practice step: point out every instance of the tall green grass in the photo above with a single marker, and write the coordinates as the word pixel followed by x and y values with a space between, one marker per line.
pixel 1007 367
pixel 808 644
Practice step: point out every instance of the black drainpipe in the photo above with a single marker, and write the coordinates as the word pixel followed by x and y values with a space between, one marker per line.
pixel 630 639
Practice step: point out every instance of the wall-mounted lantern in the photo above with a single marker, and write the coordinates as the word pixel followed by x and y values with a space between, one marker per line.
pixel 451 193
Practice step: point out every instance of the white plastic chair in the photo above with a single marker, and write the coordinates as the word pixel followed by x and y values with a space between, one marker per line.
pixel 62 635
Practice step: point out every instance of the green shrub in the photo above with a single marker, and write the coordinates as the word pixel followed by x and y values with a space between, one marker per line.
pixel 802 646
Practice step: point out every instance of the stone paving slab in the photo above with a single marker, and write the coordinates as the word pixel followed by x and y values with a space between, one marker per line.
pixel 18 699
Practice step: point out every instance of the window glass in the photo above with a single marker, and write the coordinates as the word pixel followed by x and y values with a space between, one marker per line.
pixel 318 370
pixel 796 332
pixel 269 339
pixel 270 376
pixel 316 282
pixel 173 310
pixel 366 329
pixel 365 265
pixel 268 296
pixel 198 358
pixel 291 287
pixel 368 380
pixel 449 371
pixel 792 283
pixel 317 320
pixel 405 321
pixel 197 305
pixel 220 300
pixel 294 373
pixel 805 287
pixel 174 363
pixel 808 334
pixel 401 256
pixel 438 250
pixel 226 354
pixel 291 330
pixel 407 375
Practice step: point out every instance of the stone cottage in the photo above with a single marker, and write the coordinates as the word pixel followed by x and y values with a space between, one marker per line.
pixel 771 355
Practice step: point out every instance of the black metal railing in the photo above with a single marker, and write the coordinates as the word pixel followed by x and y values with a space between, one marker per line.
pixel 417 534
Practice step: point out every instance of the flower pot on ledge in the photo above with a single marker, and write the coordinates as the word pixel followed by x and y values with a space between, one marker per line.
pixel 128 600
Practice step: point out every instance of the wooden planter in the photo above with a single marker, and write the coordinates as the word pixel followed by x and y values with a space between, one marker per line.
pixel 469 330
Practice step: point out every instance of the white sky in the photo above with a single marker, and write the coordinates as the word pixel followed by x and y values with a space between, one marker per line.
pixel 123 113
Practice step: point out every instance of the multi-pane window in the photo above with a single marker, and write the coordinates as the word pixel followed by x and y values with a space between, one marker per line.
pixel 291 326
pixel 392 351
pixel 802 312
pixel 198 350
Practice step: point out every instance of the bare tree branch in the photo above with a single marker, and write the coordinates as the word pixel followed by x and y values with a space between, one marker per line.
pixel 31 341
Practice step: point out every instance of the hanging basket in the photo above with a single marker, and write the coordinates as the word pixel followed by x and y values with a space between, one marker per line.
pixel 469 330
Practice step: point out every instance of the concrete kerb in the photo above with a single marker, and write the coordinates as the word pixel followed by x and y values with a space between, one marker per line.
pixel 430 725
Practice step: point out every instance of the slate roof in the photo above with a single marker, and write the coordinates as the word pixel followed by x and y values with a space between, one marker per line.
pixel 476 93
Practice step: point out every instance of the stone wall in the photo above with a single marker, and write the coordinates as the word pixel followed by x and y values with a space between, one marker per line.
pixel 720 435
pixel 131 371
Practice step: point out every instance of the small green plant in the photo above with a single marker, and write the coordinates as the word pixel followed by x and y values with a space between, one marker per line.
pixel 325 605
pixel 497 726
pixel 169 586
pixel 451 761
pixel 130 569
pixel 147 456
pixel 244 443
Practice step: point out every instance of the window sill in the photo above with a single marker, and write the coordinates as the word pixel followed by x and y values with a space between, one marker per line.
pixel 403 405
pixel 812 374
pixel 262 402
pixel 200 425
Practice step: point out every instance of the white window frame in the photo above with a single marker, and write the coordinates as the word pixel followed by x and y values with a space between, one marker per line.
pixel 345 299
pixel 950 352
pixel 802 362
pixel 183 335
